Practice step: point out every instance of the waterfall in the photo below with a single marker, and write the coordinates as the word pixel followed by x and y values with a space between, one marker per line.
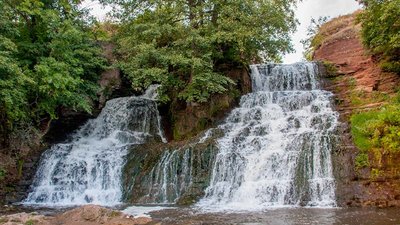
pixel 170 177
pixel 87 169
pixel 168 174
pixel 276 148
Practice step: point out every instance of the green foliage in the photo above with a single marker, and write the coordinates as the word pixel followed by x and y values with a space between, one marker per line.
pixel 359 129
pixel 381 31
pixel 314 37
pixel 48 59
pixel 104 31
pixel 361 97
pixel 331 69
pixel 181 44
pixel 31 222
pixel 376 130
pixel 362 160
pixel 375 173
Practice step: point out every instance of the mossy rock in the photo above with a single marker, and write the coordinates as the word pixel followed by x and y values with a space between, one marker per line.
pixel 144 165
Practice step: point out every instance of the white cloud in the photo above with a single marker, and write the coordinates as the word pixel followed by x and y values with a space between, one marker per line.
pixel 308 9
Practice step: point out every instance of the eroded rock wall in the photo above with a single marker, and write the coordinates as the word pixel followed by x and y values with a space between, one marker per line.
pixel 177 172
pixel 186 120
pixel 355 77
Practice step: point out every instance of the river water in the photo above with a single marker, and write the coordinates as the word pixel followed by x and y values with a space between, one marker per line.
pixel 274 157
pixel 282 216
pixel 173 215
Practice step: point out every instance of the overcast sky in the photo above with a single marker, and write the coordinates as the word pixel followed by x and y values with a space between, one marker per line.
pixel 306 10
pixel 314 9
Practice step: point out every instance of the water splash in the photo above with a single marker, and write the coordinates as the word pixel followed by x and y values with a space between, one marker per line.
pixel 87 169
pixel 277 145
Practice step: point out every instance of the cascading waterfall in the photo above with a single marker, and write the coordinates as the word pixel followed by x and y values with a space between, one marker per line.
pixel 88 168
pixel 276 148
pixel 170 177
pixel 176 174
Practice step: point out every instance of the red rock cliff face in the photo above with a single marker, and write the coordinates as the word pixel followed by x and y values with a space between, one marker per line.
pixel 356 68
pixel 355 80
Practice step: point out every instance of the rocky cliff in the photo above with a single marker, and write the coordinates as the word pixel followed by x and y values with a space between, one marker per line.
pixel 359 84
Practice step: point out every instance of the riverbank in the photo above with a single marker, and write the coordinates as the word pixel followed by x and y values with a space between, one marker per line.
pixel 155 215
pixel 84 215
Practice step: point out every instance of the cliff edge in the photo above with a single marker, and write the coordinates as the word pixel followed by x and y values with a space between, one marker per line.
pixel 359 85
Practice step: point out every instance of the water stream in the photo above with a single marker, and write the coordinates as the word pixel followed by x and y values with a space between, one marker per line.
pixel 276 150
pixel 87 169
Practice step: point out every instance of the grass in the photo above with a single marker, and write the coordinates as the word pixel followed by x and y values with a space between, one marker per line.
pixel 361 97
pixel 331 69
pixel 376 133
pixel 362 160
pixel 31 222
pixel 361 134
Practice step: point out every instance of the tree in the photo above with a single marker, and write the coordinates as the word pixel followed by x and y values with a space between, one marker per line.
pixel 182 44
pixel 48 59
pixel 314 38
pixel 381 31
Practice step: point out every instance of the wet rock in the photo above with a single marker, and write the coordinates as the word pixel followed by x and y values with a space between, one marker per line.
pixel 85 215
pixel 187 120
pixel 352 68
pixel 169 173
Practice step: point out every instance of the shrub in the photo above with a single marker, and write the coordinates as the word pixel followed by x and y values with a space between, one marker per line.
pixel 381 31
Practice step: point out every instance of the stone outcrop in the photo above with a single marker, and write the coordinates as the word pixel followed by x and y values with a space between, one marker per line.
pixel 188 119
pixel 85 215
pixel 354 76
pixel 353 67
pixel 177 172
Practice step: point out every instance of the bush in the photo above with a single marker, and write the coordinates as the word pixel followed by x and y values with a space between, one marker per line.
pixel 381 31
pixel 376 130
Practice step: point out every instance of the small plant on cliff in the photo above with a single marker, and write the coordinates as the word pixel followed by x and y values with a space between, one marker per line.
pixel 362 160
pixel 376 132
pixel 380 129
pixel 314 37
pixel 331 69
pixel 381 31
pixel 31 222
pixel 181 44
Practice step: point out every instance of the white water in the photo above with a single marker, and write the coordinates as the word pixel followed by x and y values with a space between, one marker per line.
pixel 87 169
pixel 276 151
pixel 170 177
pixel 143 211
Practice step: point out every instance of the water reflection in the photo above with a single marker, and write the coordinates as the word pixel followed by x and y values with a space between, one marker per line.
pixel 283 216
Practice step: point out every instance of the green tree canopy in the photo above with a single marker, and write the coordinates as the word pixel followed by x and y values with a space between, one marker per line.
pixel 381 31
pixel 48 59
pixel 182 44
